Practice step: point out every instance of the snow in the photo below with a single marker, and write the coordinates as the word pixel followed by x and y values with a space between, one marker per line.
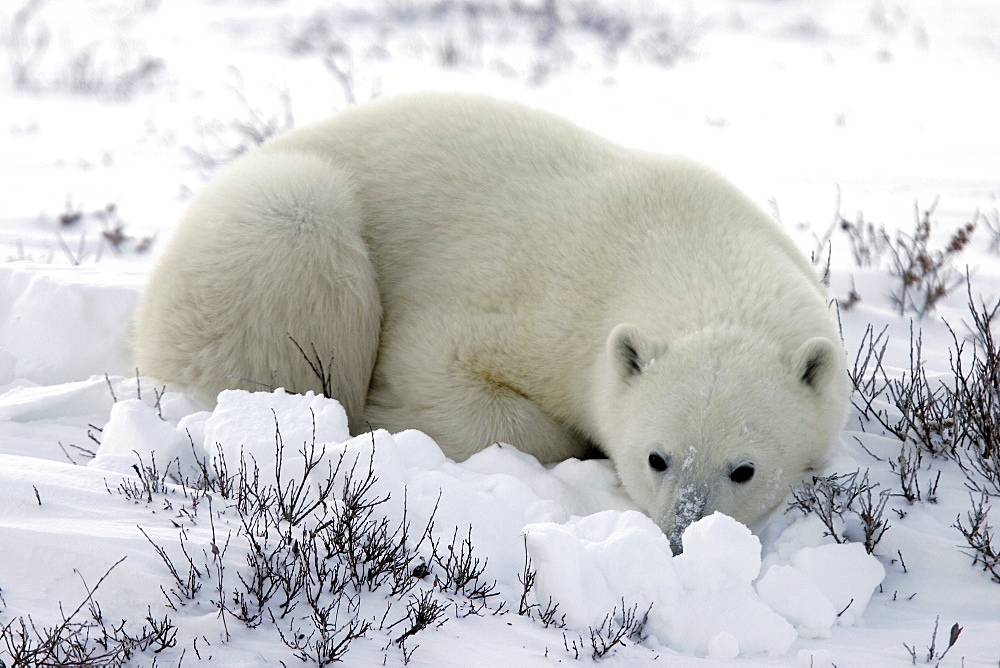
pixel 46 349
pixel 700 603
pixel 821 586
pixel 869 107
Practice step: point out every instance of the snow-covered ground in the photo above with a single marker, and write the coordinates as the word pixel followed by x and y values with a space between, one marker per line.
pixel 114 112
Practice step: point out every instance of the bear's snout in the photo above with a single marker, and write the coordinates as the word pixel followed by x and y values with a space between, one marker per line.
pixel 689 507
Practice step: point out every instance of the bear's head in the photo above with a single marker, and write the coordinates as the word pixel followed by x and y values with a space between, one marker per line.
pixel 716 420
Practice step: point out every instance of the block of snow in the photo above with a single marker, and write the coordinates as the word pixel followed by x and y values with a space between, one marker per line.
pixel 794 596
pixel 134 432
pixel 822 586
pixel 846 574
pixel 703 601
pixel 38 301
pixel 246 424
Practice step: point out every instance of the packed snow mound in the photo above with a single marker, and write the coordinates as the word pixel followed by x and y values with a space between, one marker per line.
pixel 822 586
pixel 700 602
pixel 60 324
pixel 593 553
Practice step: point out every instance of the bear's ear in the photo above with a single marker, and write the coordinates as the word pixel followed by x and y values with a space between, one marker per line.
pixel 814 362
pixel 630 352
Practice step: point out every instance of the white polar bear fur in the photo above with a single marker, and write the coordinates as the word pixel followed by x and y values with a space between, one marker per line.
pixel 486 272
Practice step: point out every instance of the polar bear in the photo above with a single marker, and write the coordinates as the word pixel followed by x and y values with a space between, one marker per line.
pixel 486 273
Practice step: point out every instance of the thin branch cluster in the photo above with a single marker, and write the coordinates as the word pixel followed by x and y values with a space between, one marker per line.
pixel 955 418
pixel 848 506
pixel 84 637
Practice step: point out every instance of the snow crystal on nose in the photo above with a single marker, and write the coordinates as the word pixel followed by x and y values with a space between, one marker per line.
pixel 689 507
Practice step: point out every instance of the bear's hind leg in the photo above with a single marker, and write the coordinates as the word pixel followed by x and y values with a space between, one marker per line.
pixel 505 416
pixel 270 250
pixel 465 415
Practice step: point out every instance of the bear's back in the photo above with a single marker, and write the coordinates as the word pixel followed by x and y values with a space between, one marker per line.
pixel 494 205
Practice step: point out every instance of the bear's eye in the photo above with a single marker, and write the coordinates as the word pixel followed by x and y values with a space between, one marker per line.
pixel 742 473
pixel 657 463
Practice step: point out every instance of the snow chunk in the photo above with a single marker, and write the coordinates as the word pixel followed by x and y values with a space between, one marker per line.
pixel 846 574
pixel 589 565
pixel 703 600
pixel 245 424
pixel 45 349
pixel 135 430
pixel 719 552
pixel 821 582
pixel 723 646
pixel 797 598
